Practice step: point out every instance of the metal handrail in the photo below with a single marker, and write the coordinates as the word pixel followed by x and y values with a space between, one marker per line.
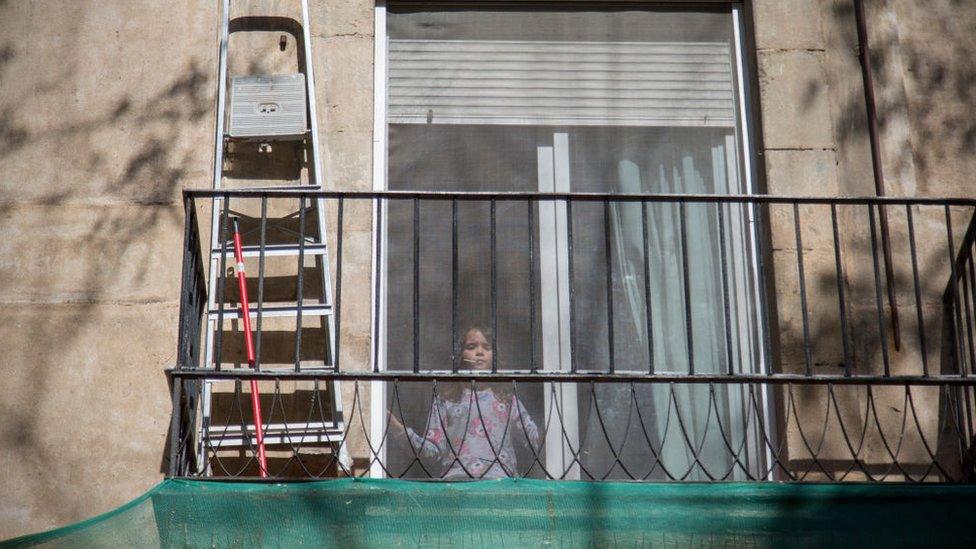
pixel 581 197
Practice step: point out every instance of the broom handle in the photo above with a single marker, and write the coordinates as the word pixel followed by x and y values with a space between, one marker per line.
pixel 249 344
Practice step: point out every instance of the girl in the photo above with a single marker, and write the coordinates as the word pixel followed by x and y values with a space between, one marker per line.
pixel 470 433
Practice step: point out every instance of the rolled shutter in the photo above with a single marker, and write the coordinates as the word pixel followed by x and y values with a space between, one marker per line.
pixel 560 83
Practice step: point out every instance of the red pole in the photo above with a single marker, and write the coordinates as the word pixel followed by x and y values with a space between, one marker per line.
pixel 249 343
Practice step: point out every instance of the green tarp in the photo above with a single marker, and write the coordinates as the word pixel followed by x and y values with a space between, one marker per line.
pixel 527 513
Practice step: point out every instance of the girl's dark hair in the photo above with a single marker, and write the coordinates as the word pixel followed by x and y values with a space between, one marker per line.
pixel 453 390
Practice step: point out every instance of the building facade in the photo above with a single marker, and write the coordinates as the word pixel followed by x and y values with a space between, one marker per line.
pixel 107 114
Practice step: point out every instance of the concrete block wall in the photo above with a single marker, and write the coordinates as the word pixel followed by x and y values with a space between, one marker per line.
pixel 107 111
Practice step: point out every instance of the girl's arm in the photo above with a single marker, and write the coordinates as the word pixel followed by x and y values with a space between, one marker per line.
pixel 524 421
pixel 434 442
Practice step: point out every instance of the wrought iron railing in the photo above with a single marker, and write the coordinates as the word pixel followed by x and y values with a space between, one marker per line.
pixel 645 337
pixel 960 300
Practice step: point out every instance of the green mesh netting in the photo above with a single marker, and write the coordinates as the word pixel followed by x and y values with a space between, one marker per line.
pixel 520 513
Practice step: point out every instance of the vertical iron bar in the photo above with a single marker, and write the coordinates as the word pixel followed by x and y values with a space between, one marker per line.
pixel 882 331
pixel 967 312
pixel 686 278
pixel 726 305
pixel 377 282
pixel 968 399
pixel 890 278
pixel 968 243
pixel 608 265
pixel 967 250
pixel 494 290
pixel 922 342
pixel 198 302
pixel 839 269
pixel 648 327
pixel 454 286
pixel 175 436
pixel 187 286
pixel 300 290
pixel 222 276
pixel 416 285
pixel 531 214
pixel 954 284
pixel 808 360
pixel 200 307
pixel 337 306
pixel 764 306
pixel 971 299
pixel 261 254
pixel 970 292
pixel 966 391
pixel 572 288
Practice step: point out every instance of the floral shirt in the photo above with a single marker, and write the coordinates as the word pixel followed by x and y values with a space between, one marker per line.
pixel 474 440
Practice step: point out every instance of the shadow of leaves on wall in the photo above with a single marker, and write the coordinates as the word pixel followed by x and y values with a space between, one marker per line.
pixel 921 58
pixel 137 155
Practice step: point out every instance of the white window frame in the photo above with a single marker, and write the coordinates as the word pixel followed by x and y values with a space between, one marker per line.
pixel 377 338
pixel 555 330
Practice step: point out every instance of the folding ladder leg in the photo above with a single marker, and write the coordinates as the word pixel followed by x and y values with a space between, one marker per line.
pixel 218 168
pixel 203 460
pixel 325 266
pixel 316 170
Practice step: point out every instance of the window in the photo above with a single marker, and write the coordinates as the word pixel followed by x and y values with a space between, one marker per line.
pixel 567 98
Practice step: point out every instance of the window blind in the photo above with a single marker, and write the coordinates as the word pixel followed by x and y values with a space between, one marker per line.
pixel 560 83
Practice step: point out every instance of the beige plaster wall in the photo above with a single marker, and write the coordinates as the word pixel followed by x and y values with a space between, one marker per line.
pixel 106 112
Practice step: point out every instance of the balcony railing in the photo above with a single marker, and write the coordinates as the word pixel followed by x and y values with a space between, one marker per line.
pixel 644 337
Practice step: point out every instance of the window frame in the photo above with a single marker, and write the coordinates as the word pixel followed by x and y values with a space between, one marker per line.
pixel 747 135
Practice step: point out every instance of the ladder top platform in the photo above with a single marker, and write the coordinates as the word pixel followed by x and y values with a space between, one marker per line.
pixel 268 106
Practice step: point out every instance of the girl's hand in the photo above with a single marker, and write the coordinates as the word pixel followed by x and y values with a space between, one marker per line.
pixel 396 426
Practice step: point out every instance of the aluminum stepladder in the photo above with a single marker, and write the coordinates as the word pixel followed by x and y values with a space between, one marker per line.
pixel 266 109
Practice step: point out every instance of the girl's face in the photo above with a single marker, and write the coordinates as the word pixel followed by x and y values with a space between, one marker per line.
pixel 476 353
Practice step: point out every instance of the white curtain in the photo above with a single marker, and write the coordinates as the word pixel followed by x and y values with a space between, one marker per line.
pixel 683 421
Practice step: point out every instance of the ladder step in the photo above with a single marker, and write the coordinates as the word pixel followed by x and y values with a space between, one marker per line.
pixel 315 309
pixel 271 190
pixel 276 433
pixel 297 136
pixel 287 188
pixel 234 430
pixel 272 250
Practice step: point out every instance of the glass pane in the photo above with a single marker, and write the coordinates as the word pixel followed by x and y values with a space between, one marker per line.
pixel 644 101
pixel 470 159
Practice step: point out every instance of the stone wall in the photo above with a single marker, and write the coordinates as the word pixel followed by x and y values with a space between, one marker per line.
pixel 816 143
